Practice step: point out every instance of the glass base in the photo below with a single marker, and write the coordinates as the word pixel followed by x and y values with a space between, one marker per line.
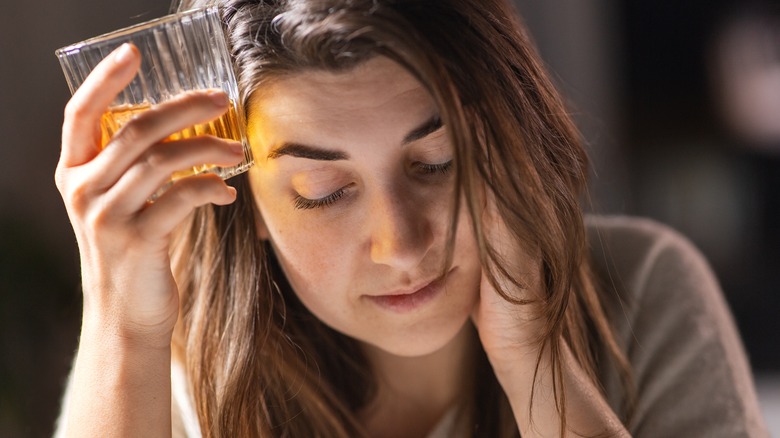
pixel 222 172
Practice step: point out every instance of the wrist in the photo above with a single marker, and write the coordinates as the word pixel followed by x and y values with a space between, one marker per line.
pixel 110 332
pixel 122 316
pixel 515 368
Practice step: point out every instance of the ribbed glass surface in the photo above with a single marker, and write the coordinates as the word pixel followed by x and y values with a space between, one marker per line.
pixel 180 52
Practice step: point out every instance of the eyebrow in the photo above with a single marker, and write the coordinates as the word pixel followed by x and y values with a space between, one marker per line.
pixel 321 154
pixel 428 127
pixel 306 151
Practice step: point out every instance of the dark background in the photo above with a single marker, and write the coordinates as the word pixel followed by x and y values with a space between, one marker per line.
pixel 640 78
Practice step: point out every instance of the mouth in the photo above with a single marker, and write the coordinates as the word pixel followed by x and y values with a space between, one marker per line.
pixel 403 301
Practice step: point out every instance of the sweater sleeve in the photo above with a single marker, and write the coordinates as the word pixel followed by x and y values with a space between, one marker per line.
pixel 690 369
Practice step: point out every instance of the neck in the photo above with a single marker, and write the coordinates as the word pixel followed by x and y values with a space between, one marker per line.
pixel 419 390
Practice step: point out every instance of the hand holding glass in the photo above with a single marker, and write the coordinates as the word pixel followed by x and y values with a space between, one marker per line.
pixel 179 53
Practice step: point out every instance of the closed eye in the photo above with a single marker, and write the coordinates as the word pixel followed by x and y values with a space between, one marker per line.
pixel 433 169
pixel 302 203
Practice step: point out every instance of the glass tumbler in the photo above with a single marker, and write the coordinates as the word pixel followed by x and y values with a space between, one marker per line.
pixel 179 53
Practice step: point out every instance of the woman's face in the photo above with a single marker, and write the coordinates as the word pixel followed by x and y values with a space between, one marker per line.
pixel 354 181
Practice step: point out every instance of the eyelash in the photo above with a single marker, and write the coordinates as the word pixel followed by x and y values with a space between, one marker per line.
pixel 302 203
pixel 430 169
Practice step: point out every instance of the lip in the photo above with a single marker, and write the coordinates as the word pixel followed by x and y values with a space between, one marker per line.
pixel 407 300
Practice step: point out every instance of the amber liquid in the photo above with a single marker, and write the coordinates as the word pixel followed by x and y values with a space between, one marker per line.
pixel 226 126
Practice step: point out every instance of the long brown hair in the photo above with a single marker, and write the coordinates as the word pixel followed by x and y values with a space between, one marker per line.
pixel 260 364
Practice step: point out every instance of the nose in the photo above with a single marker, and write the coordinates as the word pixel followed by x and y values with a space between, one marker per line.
pixel 401 231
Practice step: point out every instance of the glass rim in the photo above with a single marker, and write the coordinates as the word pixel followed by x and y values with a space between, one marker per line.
pixel 77 47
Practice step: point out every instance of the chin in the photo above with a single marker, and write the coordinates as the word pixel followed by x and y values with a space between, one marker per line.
pixel 422 341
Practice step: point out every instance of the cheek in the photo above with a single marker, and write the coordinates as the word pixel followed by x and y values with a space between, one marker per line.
pixel 309 248
pixel 314 254
pixel 307 253
pixel 315 262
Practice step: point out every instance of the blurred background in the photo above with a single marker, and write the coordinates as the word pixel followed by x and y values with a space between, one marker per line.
pixel 679 103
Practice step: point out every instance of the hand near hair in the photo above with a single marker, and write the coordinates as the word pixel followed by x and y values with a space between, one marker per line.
pixel 506 328
pixel 510 335
pixel 130 297
pixel 122 237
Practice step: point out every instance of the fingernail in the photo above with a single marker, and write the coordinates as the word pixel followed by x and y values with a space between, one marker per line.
pixel 124 53
pixel 219 98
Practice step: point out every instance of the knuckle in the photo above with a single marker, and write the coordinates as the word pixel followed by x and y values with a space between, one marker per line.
pixel 59 179
pixel 77 197
pixel 74 109
pixel 138 128
pixel 130 133
pixel 154 158
pixel 77 190
pixel 96 219
pixel 101 211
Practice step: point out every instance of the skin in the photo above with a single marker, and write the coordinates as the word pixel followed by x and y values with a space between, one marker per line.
pixel 388 232
pixel 385 235
pixel 121 378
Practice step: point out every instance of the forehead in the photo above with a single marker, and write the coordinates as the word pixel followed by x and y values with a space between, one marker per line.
pixel 376 80
pixel 378 92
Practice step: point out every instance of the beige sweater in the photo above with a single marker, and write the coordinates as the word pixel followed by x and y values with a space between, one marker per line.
pixel 689 366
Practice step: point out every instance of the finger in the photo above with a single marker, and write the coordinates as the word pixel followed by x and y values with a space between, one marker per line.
pixel 81 127
pixel 160 219
pixel 152 127
pixel 156 165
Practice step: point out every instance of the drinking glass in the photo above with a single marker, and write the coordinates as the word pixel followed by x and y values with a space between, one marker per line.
pixel 179 53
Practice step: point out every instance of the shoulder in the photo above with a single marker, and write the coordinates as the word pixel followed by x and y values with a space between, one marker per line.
pixel 646 264
pixel 633 247
pixel 651 271
pixel 670 317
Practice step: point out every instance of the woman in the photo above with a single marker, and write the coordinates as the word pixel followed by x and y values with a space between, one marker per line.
pixel 408 256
